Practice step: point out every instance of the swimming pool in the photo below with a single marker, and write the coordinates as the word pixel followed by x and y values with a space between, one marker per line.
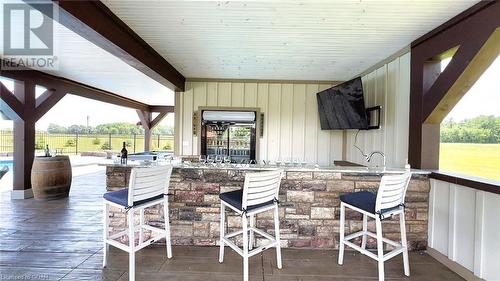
pixel 8 163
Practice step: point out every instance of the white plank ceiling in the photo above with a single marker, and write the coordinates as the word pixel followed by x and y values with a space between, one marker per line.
pixel 285 40
pixel 289 40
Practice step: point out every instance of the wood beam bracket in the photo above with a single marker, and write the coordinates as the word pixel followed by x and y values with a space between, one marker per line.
pixel 469 36
pixel 10 105
pixel 46 101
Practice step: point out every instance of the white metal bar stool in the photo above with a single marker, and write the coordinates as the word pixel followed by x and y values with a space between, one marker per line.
pixel 388 201
pixel 259 194
pixel 147 187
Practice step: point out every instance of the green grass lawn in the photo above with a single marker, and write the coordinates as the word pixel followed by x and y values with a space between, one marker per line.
pixel 481 160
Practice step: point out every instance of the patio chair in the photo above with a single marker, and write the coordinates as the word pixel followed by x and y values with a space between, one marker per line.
pixel 259 194
pixel 147 187
pixel 388 201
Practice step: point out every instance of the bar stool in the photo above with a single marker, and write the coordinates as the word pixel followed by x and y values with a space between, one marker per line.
pixel 388 201
pixel 259 194
pixel 147 187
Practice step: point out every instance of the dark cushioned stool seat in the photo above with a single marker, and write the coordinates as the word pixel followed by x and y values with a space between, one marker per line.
pixel 120 197
pixel 365 200
pixel 234 199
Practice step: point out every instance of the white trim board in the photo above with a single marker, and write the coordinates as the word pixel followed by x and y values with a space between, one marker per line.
pixel 21 194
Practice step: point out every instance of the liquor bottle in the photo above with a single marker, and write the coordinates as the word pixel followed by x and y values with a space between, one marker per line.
pixel 124 154
pixel 47 151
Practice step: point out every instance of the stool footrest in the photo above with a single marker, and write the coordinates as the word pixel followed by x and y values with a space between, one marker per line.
pixel 363 251
pixel 118 245
pixel 233 246
pixel 272 241
pixel 393 253
pixel 262 248
pixel 371 234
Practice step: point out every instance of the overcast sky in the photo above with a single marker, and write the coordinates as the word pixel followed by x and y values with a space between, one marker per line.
pixel 482 99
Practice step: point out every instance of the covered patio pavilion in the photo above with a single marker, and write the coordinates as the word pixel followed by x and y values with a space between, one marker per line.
pixel 263 62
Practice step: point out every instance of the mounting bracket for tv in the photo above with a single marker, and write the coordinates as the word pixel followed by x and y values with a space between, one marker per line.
pixel 373 117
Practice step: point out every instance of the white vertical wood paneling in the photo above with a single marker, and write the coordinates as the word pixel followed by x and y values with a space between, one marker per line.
pixel 390 110
pixel 291 121
pixel 274 121
pixel 441 216
pixel 263 104
pixel 463 225
pixel 237 94
pixel 187 120
pixel 465 206
pixel 400 149
pixel 491 237
pixel 250 95
pixel 298 121
pixel 389 87
pixel 311 124
pixel 286 116
pixel 380 99
pixel 199 99
pixel 211 94
pixel 224 94
pixel 478 234
pixel 178 123
pixel 452 222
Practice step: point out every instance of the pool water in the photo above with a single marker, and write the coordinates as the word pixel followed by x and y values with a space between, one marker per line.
pixel 7 163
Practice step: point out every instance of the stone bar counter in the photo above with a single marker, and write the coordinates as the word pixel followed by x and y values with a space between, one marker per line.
pixel 309 204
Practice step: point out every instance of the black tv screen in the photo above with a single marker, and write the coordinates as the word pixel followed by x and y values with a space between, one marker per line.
pixel 343 107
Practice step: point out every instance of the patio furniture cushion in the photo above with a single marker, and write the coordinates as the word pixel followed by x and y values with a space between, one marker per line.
pixel 364 200
pixel 120 197
pixel 234 199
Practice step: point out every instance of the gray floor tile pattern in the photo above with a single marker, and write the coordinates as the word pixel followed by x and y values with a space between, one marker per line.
pixel 61 240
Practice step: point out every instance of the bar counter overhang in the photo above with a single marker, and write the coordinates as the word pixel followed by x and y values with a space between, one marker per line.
pixel 309 204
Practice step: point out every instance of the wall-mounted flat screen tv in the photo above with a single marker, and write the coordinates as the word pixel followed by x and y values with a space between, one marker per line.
pixel 342 107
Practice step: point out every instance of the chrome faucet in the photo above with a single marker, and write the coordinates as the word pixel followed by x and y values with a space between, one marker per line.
pixel 369 157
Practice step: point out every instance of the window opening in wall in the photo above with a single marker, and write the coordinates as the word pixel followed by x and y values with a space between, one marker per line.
pixel 470 133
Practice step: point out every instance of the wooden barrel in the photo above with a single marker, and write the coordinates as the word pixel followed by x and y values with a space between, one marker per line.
pixel 51 177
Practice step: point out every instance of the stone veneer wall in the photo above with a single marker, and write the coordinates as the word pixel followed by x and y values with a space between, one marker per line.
pixel 309 207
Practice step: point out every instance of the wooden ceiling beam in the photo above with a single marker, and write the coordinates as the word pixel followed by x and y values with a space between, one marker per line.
pixel 98 24
pixel 69 86
pixel 162 108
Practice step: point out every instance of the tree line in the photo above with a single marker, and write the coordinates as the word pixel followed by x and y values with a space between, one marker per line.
pixel 481 129
pixel 120 128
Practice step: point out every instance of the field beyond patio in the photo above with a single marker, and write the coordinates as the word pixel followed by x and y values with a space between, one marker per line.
pixel 481 160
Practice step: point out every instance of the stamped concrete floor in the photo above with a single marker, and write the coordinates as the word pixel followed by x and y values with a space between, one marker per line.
pixel 61 240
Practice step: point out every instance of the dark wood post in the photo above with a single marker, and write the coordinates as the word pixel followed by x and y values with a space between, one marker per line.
pixel 109 141
pixel 24 140
pixel 135 138
pixel 148 123
pixel 147 139
pixel 76 144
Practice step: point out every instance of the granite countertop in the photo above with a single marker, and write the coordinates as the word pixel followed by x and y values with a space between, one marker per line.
pixel 289 168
